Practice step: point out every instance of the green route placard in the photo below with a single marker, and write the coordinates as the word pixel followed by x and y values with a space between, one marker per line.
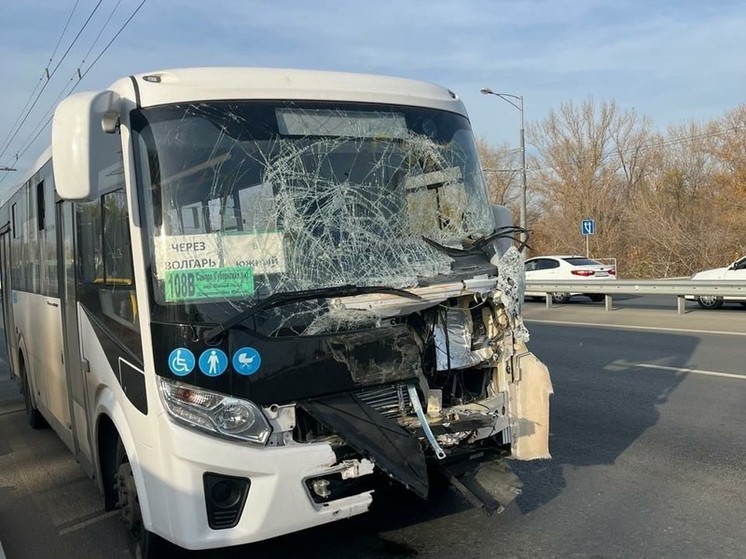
pixel 209 283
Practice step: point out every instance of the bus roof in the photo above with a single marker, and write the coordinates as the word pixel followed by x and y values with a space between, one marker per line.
pixel 215 83
pixel 234 83
pixel 26 173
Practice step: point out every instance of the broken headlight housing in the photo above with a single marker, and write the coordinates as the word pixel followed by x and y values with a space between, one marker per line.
pixel 214 413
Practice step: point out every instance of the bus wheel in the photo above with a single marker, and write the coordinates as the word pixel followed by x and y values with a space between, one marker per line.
pixel 143 544
pixel 33 416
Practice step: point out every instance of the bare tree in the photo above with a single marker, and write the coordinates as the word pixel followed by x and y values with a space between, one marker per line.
pixel 728 147
pixel 501 169
pixel 592 159
pixel 664 205
pixel 690 216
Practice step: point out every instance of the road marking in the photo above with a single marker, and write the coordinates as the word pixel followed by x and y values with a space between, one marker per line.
pixel 81 525
pixel 627 365
pixel 632 327
pixel 2 553
pixel 692 371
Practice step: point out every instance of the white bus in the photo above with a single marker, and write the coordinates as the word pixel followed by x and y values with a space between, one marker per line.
pixel 244 298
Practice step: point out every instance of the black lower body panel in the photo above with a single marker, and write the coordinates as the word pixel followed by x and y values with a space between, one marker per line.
pixel 392 448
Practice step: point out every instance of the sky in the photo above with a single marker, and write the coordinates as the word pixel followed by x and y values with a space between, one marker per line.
pixel 671 61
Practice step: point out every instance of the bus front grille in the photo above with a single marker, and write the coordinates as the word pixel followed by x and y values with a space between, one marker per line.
pixel 391 401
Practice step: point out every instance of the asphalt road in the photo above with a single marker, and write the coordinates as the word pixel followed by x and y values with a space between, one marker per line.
pixel 648 460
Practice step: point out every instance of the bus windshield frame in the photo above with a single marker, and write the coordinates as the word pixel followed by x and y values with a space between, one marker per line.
pixel 246 199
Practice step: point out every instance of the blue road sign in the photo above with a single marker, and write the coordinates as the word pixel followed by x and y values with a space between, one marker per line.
pixel 588 227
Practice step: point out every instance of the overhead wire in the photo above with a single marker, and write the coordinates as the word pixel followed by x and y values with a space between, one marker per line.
pixel 67 23
pixel 45 74
pixel 80 74
pixel 77 36
pixel 43 122
pixel 114 37
pixel 49 79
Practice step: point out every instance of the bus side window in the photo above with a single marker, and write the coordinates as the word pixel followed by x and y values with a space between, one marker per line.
pixel 106 286
pixel 118 300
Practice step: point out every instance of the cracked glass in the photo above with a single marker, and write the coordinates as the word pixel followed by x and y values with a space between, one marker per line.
pixel 247 199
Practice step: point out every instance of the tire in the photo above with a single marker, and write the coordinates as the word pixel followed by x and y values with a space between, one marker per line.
pixel 560 298
pixel 710 302
pixel 33 416
pixel 596 297
pixel 143 544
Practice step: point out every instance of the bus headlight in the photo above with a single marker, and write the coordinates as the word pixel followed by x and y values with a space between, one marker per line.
pixel 215 413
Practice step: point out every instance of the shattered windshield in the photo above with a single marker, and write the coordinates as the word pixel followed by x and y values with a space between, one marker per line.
pixel 247 199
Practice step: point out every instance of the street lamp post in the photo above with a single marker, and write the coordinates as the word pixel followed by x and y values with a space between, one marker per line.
pixel 507 97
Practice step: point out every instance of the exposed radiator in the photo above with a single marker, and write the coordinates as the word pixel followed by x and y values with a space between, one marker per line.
pixel 391 401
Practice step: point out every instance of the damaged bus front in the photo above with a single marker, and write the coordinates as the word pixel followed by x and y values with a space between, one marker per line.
pixel 343 258
pixel 328 302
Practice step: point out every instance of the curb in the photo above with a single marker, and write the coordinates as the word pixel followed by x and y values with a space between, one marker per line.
pixel 7 410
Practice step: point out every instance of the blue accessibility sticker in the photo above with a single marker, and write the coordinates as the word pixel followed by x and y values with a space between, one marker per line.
pixel 181 361
pixel 247 361
pixel 213 362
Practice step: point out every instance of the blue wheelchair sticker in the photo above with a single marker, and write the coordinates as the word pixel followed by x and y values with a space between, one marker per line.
pixel 213 362
pixel 246 361
pixel 181 361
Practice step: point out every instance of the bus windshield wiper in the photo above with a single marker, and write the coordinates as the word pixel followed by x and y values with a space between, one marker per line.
pixel 506 232
pixel 453 252
pixel 284 298
pixel 474 245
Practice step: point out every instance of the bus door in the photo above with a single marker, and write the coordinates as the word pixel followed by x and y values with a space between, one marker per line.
pixel 74 367
pixel 5 301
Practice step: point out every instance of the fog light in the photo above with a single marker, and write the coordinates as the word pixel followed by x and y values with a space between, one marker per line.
pixel 321 487
pixel 225 497
pixel 226 494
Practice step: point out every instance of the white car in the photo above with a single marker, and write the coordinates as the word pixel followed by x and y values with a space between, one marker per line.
pixel 561 268
pixel 736 271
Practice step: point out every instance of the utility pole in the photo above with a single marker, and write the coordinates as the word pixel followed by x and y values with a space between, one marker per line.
pixel 508 98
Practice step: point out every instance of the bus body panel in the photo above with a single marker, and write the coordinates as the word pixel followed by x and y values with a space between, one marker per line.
pixel 107 399
pixel 39 327
pixel 278 501
pixel 11 339
pixel 190 84
pixel 77 378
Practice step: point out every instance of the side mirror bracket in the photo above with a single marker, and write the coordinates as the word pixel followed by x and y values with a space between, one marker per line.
pixel 110 122
pixel 502 217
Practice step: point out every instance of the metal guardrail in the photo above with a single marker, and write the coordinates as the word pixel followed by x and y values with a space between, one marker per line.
pixel 679 288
